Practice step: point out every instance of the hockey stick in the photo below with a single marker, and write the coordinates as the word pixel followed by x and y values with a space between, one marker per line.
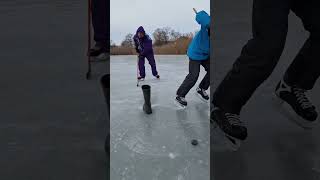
pixel 88 75
pixel 137 71
pixel 195 11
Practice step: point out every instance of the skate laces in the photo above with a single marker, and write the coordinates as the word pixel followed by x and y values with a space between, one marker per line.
pixel 234 119
pixel 301 97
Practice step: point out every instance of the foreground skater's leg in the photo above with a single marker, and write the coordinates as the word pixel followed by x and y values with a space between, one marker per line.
pixel 100 27
pixel 256 62
pixel 303 72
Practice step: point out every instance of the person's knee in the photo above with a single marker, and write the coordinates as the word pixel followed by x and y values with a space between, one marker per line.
pixel 141 65
pixel 260 59
pixel 262 53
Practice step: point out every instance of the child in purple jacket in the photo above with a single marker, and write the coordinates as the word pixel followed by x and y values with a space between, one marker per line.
pixel 143 46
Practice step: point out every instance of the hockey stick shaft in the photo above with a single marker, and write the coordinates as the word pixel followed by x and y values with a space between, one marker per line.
pixel 137 71
pixel 195 11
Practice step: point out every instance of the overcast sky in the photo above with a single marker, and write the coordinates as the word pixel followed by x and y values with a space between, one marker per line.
pixel 128 15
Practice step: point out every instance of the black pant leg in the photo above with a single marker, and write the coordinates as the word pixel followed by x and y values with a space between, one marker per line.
pixel 305 69
pixel 258 57
pixel 205 83
pixel 100 22
pixel 191 79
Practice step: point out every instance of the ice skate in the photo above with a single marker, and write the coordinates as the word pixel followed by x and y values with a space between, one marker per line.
pixel 181 102
pixel 230 125
pixel 202 94
pixel 294 104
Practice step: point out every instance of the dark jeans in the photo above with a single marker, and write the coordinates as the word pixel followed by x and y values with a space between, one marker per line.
pixel 261 54
pixel 192 77
pixel 152 62
pixel 100 22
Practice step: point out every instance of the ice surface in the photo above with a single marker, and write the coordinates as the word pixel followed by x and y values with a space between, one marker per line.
pixel 156 146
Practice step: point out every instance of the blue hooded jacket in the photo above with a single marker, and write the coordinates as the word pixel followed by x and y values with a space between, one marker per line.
pixel 199 48
pixel 143 45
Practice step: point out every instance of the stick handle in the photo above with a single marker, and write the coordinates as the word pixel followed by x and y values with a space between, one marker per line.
pixel 195 11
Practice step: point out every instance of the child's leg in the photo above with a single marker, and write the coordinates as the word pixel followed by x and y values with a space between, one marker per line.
pixel 152 63
pixel 191 79
pixel 142 71
pixel 205 83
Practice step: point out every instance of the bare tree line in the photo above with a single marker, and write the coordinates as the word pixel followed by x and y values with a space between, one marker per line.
pixel 161 36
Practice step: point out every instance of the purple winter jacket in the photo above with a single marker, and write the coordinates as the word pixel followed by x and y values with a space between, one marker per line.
pixel 143 45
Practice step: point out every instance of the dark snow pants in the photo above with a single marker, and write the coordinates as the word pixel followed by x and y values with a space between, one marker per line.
pixel 100 22
pixel 261 54
pixel 192 77
pixel 152 62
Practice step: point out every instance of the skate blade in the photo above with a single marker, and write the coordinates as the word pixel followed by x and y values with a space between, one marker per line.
pixel 286 110
pixel 179 105
pixel 200 97
pixel 232 143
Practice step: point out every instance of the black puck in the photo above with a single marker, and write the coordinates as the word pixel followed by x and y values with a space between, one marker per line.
pixel 194 142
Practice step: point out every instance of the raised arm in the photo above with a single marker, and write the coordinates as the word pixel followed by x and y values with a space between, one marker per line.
pixel 203 19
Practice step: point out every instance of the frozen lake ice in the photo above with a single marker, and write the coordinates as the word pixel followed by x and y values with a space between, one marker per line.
pixel 157 146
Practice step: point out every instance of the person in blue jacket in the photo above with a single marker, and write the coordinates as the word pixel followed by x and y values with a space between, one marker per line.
pixel 143 46
pixel 199 55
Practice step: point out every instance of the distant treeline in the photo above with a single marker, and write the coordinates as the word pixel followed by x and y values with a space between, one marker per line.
pixel 165 41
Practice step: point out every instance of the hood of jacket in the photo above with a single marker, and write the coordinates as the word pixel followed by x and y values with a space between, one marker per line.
pixel 140 29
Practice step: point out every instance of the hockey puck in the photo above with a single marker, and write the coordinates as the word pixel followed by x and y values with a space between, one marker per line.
pixel 194 142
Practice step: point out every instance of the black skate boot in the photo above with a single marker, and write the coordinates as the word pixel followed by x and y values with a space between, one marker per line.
pixel 202 94
pixel 230 124
pixel 295 105
pixel 157 76
pixel 140 78
pixel 98 52
pixel 181 102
